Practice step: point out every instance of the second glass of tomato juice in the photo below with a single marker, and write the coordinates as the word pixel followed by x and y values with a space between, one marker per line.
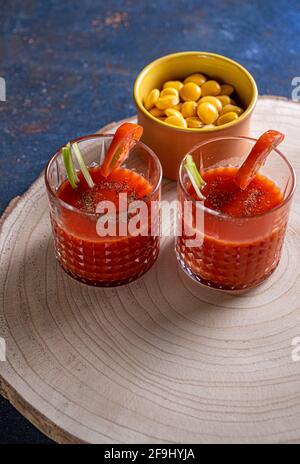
pixel 87 255
pixel 241 230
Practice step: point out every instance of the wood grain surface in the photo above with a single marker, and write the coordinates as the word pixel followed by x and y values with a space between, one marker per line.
pixel 161 360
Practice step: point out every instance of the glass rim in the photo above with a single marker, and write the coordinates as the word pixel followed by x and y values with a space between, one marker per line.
pixel 218 214
pixel 86 137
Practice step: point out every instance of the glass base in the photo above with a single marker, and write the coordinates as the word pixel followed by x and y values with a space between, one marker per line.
pixel 109 284
pixel 219 287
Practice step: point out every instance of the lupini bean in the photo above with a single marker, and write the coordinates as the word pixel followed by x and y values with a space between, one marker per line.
pixel 207 112
pixel 157 113
pixel 236 109
pixel 226 118
pixel 189 109
pixel 226 89
pixel 169 91
pixel 197 78
pixel 176 121
pixel 213 100
pixel 173 112
pixel 194 122
pixel 173 84
pixel 177 107
pixel 210 88
pixel 224 99
pixel 151 99
pixel 190 91
pixel 167 101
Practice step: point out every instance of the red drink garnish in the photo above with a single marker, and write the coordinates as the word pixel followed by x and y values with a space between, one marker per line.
pixel 257 157
pixel 124 139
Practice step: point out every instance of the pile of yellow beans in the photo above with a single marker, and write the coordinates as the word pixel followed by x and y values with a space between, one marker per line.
pixel 197 102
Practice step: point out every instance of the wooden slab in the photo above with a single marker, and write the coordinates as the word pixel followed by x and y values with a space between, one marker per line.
pixel 159 360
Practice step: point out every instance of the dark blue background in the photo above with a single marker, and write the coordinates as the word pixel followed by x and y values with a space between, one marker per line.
pixel 69 68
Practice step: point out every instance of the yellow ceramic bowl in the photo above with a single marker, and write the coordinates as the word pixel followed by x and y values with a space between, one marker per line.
pixel 172 143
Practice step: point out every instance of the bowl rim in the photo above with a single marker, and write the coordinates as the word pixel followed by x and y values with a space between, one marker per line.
pixel 165 58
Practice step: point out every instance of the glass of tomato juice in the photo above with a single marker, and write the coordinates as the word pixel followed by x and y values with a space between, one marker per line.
pixel 120 256
pixel 240 233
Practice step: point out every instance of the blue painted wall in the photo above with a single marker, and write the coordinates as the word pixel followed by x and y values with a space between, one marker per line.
pixel 69 68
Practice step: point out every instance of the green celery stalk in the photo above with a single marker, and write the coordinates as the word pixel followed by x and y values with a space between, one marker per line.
pixel 194 176
pixel 69 166
pixel 192 165
pixel 83 168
